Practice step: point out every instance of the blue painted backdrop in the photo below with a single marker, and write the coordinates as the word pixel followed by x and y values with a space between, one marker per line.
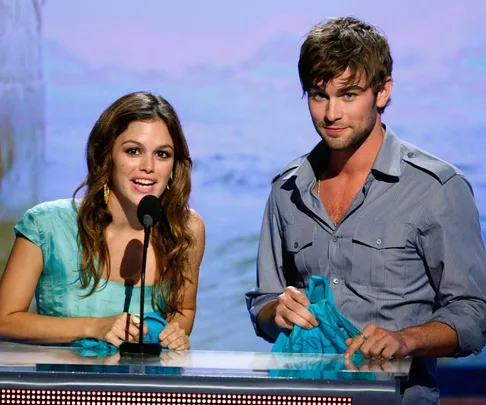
pixel 229 69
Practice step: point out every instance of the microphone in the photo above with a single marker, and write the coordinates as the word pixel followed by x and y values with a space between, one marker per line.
pixel 149 212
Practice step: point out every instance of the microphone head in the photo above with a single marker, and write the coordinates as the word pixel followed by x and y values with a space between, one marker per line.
pixel 149 210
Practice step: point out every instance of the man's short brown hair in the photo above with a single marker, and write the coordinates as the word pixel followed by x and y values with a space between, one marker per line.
pixel 345 42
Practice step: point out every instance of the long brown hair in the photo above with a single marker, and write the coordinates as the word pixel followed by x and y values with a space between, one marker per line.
pixel 171 247
pixel 345 42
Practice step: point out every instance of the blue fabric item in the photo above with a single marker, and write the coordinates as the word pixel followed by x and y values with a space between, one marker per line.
pixel 331 333
pixel 155 325
pixel 100 348
pixel 94 348
pixel 323 369
pixel 328 337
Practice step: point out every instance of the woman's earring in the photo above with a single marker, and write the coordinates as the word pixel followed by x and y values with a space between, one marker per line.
pixel 170 179
pixel 106 193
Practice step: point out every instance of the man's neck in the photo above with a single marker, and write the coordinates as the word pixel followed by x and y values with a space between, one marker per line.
pixel 358 159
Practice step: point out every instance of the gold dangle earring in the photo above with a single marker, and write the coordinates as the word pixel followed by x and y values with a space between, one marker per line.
pixel 106 193
pixel 170 179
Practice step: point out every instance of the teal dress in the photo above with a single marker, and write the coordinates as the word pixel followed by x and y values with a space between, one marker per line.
pixel 53 227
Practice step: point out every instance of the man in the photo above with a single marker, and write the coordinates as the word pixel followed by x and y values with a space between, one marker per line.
pixel 394 229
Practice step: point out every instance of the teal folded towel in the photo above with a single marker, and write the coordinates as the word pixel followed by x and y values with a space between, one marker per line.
pixel 99 348
pixel 328 337
pixel 94 348
pixel 331 333
pixel 155 324
pixel 328 368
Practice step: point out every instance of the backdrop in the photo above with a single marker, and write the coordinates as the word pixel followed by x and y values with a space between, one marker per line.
pixel 230 70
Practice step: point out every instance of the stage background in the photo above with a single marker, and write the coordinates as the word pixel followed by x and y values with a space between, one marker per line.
pixel 230 70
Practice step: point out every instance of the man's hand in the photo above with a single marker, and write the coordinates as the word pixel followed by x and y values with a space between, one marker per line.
pixel 372 365
pixel 291 309
pixel 378 343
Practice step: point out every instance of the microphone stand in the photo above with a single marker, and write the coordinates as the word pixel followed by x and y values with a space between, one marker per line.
pixel 142 349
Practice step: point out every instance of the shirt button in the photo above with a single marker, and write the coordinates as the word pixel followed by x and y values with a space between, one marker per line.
pixel 334 238
pixel 296 245
pixel 335 280
pixel 378 241
pixel 410 154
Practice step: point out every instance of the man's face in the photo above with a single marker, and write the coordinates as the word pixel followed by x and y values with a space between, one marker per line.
pixel 345 114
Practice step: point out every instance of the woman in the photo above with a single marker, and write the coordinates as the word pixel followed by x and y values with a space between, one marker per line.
pixel 82 257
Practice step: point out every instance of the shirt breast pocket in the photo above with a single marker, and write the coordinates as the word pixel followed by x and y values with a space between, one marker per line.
pixel 380 254
pixel 298 243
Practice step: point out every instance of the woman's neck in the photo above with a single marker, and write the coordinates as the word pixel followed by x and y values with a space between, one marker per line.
pixel 124 215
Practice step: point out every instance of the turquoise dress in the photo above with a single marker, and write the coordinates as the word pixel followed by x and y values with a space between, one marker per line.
pixel 53 227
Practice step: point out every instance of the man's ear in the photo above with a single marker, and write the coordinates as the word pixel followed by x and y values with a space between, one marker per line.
pixel 385 93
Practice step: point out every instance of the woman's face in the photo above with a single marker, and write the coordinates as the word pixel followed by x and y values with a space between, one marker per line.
pixel 143 159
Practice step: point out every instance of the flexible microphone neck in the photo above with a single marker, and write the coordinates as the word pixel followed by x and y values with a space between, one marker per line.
pixel 149 212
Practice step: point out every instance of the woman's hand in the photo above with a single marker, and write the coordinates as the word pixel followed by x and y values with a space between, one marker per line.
pixel 172 358
pixel 118 328
pixel 174 337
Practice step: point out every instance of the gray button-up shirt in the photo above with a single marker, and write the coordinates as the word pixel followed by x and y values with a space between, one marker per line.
pixel 408 251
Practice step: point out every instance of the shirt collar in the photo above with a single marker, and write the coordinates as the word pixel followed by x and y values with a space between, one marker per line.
pixel 389 156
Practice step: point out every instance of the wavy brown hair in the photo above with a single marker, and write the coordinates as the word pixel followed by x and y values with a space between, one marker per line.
pixel 345 42
pixel 171 246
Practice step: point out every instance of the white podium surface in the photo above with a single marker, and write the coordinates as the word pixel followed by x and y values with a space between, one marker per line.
pixel 203 377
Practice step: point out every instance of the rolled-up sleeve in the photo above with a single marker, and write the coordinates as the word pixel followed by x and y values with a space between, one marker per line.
pixel 270 279
pixel 453 249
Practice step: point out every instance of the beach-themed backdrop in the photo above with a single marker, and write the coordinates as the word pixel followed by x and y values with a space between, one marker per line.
pixel 230 71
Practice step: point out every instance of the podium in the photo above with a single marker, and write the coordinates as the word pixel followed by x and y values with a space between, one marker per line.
pixel 64 375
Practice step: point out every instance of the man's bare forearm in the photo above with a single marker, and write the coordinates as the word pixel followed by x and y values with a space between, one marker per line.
pixel 434 339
